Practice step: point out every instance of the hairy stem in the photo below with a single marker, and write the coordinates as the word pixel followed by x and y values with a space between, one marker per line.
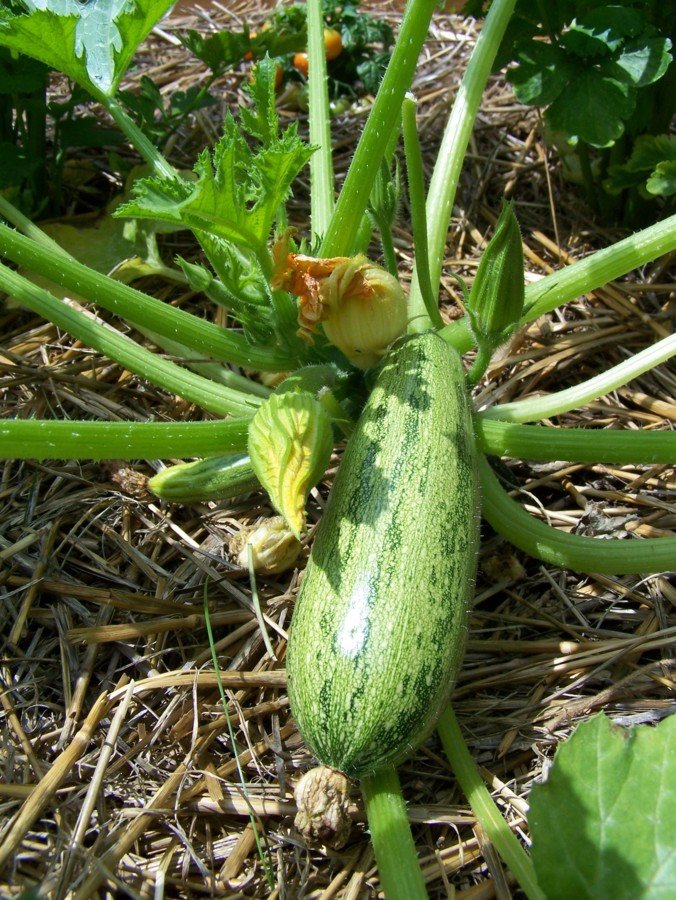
pixel 578 445
pixel 571 551
pixel 448 166
pixel 393 845
pixel 321 161
pixel 416 195
pixel 45 439
pixel 138 139
pixel 215 398
pixel 483 806
pixel 139 308
pixel 582 276
pixel 576 396
pixel 384 118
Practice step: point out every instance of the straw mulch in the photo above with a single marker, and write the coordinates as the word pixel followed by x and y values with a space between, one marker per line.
pixel 119 777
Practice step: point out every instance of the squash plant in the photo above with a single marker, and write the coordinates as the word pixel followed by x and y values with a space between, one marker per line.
pixel 411 387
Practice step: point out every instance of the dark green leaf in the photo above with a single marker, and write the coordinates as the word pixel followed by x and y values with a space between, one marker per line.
pixel 603 823
pixel 21 75
pixel 641 62
pixel 592 109
pixel 87 131
pixel 603 31
pixel 542 74
pixel 15 166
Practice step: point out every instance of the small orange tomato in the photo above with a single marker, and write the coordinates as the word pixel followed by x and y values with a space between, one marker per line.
pixel 300 63
pixel 249 54
pixel 333 44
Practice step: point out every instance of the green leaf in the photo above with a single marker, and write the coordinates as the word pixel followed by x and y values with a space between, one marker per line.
pixel 238 191
pixel 603 823
pixel 603 31
pixel 650 153
pixel 91 41
pixel 592 109
pixel 663 180
pixel 641 62
pixel 542 74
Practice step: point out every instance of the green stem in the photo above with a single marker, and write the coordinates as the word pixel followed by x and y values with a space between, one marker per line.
pixel 383 119
pixel 387 244
pixel 579 445
pixel 582 276
pixel 214 371
pixel 321 161
pixel 393 845
pixel 44 439
pixel 479 366
pixel 576 396
pixel 489 816
pixel 138 139
pixel 138 308
pixel 571 551
pixel 23 224
pixel 450 158
pixel 416 195
pixel 215 398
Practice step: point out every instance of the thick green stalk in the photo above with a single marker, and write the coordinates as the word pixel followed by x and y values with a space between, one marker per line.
pixel 571 551
pixel 214 371
pixel 138 308
pixel 582 276
pixel 383 119
pixel 393 845
pixel 450 158
pixel 44 439
pixel 416 195
pixel 15 217
pixel 579 445
pixel 489 816
pixel 215 398
pixel 580 394
pixel 138 139
pixel 321 161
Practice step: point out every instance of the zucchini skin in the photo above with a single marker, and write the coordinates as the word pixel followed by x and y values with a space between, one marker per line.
pixel 379 627
pixel 213 478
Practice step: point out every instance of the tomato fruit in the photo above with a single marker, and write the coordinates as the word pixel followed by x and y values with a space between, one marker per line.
pixel 333 43
pixel 300 63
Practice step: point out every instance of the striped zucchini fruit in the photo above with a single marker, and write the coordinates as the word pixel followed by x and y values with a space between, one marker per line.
pixel 379 627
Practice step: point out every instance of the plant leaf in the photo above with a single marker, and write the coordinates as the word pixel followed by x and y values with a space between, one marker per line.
pixel 663 180
pixel 92 42
pixel 603 823
pixel 542 74
pixel 592 109
pixel 641 62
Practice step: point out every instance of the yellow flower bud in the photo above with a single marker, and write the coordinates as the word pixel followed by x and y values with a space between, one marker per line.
pixel 274 547
pixel 290 444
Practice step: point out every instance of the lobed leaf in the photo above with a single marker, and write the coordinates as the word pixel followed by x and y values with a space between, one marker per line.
pixel 92 42
pixel 603 823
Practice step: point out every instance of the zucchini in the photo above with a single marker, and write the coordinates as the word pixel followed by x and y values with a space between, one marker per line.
pixel 213 478
pixel 378 631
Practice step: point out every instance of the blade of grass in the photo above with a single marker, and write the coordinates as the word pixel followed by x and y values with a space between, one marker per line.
pixel 264 858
